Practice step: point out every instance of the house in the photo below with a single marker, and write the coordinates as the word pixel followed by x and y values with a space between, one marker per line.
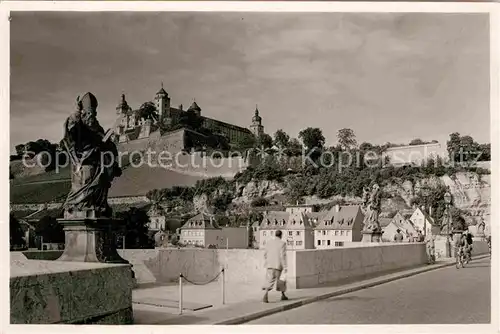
pixel 157 219
pixel 422 221
pixel 391 225
pixel 340 225
pixel 296 227
pixel 306 208
pixel 202 230
pixel 235 237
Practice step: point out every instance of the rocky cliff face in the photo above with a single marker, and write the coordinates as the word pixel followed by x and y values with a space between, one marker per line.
pixel 469 190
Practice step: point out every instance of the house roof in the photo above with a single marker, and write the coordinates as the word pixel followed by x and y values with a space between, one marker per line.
pixel 201 221
pixel 285 221
pixel 341 220
pixel 126 206
pixel 384 221
pixel 54 213
pixel 20 214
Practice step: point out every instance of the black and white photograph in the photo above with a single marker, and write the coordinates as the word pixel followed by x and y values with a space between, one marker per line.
pixel 229 167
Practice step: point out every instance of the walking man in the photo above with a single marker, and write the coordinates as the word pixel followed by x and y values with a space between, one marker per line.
pixel 275 264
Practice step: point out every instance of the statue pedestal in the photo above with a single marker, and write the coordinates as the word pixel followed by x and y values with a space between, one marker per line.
pixel 90 240
pixel 372 236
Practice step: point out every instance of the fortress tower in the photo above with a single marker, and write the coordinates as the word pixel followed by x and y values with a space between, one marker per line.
pixel 163 106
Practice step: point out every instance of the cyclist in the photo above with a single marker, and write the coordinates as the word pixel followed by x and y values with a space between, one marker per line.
pixel 469 245
pixel 460 245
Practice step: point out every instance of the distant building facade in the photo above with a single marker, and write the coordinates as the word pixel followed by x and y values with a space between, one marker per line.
pixel 202 231
pixel 132 125
pixel 414 155
pixel 340 225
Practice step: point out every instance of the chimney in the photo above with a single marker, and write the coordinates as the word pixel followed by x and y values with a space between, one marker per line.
pixel 337 207
pixel 180 106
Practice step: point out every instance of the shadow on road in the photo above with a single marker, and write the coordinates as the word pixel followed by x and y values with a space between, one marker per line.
pixel 353 298
pixel 482 265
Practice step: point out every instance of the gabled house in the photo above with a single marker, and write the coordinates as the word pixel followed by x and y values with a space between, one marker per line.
pixel 296 227
pixel 200 230
pixel 391 225
pixel 422 221
pixel 340 225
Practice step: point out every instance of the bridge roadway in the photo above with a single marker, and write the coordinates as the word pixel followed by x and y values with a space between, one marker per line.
pixel 443 296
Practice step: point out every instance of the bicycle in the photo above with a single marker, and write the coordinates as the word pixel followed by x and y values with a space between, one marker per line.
pixel 460 259
pixel 431 257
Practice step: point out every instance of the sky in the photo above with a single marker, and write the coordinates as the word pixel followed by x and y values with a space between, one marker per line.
pixel 391 77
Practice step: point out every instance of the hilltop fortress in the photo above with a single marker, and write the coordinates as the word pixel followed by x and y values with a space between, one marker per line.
pixel 134 124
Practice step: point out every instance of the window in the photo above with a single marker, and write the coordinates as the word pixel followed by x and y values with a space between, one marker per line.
pixel 347 233
pixel 264 233
pixel 339 243
pixel 290 233
pixel 289 243
pixel 322 242
pixel 328 242
pixel 336 232
pixel 298 233
pixel 319 242
pixel 341 232
pixel 298 243
pixel 324 232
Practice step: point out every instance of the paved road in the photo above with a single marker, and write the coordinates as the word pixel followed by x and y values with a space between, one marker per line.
pixel 443 296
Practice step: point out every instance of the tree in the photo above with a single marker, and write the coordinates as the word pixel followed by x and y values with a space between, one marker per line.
pixel 265 141
pixel 259 201
pixel 294 148
pixel 453 146
pixel 347 139
pixel 312 138
pixel 281 139
pixel 485 150
pixel 148 111
pixel 245 142
pixel 16 233
pixel 221 202
pixel 50 230
pixel 417 141
pixel 20 149
pixel 135 222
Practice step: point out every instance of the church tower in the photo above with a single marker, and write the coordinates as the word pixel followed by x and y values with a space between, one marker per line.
pixel 122 110
pixel 163 105
pixel 256 127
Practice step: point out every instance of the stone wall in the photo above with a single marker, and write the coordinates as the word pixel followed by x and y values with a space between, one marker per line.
pixel 314 267
pixel 306 268
pixel 56 292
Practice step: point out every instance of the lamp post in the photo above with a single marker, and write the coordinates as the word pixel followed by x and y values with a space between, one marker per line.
pixel 447 201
